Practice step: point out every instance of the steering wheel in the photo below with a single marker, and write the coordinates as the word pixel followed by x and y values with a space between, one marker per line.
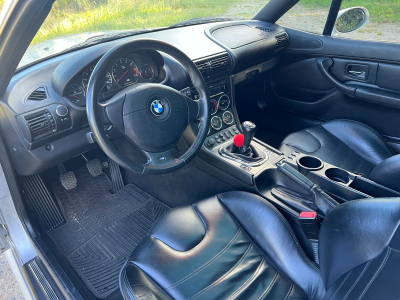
pixel 151 116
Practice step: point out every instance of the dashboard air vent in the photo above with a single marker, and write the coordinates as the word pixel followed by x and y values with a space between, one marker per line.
pixel 266 29
pixel 41 122
pixel 214 65
pixel 38 95
pixel 282 40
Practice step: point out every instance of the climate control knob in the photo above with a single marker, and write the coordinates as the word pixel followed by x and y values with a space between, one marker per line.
pixel 62 110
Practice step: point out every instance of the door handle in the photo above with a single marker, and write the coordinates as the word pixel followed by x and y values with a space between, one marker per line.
pixel 357 73
pixel 323 65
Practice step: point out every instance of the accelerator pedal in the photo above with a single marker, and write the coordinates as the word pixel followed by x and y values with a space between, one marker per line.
pixel 46 208
pixel 94 167
pixel 68 179
pixel 116 176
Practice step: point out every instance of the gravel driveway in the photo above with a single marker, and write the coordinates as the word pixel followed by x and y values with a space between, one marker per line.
pixel 9 288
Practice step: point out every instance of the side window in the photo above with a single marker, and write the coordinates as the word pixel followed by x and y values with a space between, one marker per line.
pixel 307 15
pixel 382 20
pixel 360 19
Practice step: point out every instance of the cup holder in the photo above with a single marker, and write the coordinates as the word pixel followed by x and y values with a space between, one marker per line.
pixel 337 175
pixel 309 163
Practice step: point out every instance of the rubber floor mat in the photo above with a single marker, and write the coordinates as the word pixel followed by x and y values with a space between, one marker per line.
pixel 102 229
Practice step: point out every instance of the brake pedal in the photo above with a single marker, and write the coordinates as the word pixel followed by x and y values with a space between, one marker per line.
pixel 94 167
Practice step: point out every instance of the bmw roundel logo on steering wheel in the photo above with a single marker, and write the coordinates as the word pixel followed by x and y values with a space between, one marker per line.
pixel 157 107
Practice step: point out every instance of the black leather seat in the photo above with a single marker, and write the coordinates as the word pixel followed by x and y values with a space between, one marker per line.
pixel 349 145
pixel 238 246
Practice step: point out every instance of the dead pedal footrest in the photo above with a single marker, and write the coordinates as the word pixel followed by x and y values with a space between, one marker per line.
pixel 46 208
pixel 116 176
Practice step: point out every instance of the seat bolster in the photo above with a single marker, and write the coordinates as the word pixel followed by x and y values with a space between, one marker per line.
pixel 273 234
pixel 387 173
pixel 136 285
pixel 355 232
pixel 361 138
pixel 300 140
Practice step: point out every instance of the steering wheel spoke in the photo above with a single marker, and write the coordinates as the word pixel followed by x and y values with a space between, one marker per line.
pixel 162 160
pixel 194 108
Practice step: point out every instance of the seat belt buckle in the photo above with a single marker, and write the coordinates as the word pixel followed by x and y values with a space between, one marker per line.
pixel 309 224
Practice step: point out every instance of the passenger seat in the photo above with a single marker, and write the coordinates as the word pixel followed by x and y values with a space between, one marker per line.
pixel 349 145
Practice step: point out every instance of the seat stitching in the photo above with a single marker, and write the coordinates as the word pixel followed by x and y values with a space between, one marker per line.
pixel 347 158
pixel 302 150
pixel 207 288
pixel 290 291
pixel 376 274
pixel 359 165
pixel 336 150
pixel 364 125
pixel 358 279
pixel 207 263
pixel 339 287
pixel 247 282
pixel 269 286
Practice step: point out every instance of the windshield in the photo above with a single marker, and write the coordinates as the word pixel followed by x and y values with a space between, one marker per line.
pixel 72 22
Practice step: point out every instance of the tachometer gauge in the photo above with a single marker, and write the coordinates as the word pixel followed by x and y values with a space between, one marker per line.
pixel 224 102
pixel 146 72
pixel 228 118
pixel 125 71
pixel 76 94
pixel 216 123
pixel 213 107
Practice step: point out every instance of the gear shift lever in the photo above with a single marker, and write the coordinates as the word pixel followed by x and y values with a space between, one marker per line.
pixel 249 129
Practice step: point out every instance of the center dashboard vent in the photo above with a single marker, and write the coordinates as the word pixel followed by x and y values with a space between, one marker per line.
pixel 282 40
pixel 266 29
pixel 214 65
pixel 40 123
pixel 38 95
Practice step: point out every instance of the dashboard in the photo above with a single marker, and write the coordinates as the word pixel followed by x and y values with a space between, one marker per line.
pixel 43 110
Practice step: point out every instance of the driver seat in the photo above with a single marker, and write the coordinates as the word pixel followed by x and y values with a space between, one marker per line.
pixel 238 246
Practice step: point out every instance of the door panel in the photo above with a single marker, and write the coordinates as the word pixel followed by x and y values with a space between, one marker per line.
pixel 341 79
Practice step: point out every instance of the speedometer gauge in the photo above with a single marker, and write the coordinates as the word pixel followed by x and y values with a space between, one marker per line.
pixel 86 76
pixel 125 72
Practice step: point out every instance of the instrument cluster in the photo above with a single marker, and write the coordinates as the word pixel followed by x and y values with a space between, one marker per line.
pixel 123 72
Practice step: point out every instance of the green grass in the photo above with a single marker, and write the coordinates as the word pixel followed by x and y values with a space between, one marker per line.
pixel 69 17
pixel 381 11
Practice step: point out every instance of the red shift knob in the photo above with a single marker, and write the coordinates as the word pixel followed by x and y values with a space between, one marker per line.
pixel 238 140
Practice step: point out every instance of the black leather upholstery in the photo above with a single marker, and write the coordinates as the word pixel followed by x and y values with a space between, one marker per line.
pixel 360 250
pixel 249 251
pixel 349 145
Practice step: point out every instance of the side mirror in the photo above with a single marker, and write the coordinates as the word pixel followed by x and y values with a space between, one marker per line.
pixel 350 19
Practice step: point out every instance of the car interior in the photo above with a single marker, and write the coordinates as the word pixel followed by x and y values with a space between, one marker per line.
pixel 227 160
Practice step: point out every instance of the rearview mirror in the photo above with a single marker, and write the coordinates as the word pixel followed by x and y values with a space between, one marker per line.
pixel 350 19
